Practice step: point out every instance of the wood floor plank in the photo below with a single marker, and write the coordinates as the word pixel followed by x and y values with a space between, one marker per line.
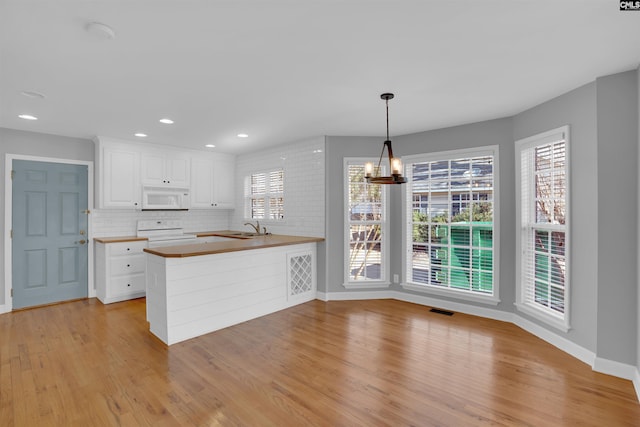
pixel 342 363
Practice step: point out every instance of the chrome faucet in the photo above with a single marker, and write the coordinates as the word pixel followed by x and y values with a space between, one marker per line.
pixel 256 227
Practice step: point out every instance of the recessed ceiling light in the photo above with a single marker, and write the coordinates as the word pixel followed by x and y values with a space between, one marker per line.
pixel 28 117
pixel 210 146
pixel 243 135
pixel 101 30
pixel 141 135
pixel 166 121
pixel 32 94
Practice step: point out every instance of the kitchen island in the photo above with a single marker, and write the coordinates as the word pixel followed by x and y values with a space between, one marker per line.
pixel 196 289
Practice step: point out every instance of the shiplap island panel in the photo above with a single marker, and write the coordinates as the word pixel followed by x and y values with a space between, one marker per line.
pixel 188 296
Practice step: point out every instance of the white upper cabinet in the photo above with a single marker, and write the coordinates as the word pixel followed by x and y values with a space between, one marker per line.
pixel 118 178
pixel 202 183
pixel 212 181
pixel 165 168
pixel 124 167
pixel 224 170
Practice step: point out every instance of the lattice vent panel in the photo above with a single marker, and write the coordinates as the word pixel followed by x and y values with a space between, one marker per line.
pixel 300 274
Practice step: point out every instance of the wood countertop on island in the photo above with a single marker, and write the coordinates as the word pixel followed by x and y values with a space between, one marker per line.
pixel 237 244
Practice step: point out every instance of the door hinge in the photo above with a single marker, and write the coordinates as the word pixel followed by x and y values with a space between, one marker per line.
pixel 11 292
pixel 13 173
pixel 86 211
pixel 11 233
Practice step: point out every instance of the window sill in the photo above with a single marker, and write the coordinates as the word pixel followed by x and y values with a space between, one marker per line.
pixel 366 285
pixel 540 315
pixel 464 295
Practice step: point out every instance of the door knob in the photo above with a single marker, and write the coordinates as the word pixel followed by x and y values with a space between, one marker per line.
pixel 82 242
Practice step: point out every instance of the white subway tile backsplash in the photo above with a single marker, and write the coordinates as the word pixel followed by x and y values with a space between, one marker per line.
pixel 303 165
pixel 109 223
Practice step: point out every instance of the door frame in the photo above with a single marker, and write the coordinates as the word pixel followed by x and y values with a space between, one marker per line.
pixel 8 220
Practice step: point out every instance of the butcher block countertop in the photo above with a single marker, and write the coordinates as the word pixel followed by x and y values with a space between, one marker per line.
pixel 237 244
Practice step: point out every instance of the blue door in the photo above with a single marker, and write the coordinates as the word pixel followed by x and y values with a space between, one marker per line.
pixel 49 243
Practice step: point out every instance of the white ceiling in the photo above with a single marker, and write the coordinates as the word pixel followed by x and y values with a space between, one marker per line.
pixel 283 71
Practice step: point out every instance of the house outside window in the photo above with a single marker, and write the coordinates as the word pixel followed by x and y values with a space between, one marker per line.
pixel 366 243
pixel 264 195
pixel 451 213
pixel 542 196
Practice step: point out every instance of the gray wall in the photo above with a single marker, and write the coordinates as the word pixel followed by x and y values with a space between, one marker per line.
pixel 40 145
pixel 578 110
pixel 617 228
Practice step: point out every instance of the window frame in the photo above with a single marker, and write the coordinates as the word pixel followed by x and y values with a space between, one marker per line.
pixel 266 196
pixel 561 322
pixel 384 281
pixel 407 215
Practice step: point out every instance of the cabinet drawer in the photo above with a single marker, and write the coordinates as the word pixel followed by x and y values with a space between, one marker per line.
pixel 127 284
pixel 127 248
pixel 127 265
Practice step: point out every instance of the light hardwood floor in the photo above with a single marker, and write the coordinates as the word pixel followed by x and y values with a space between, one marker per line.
pixel 343 363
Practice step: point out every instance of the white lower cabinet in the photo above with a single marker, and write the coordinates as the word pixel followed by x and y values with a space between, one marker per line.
pixel 120 271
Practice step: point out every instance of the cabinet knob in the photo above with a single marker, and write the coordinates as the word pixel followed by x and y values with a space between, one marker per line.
pixel 128 249
pixel 128 265
pixel 128 284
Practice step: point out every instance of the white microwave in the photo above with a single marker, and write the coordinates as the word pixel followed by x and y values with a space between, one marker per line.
pixel 165 199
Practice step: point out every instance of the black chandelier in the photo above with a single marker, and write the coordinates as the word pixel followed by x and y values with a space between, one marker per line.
pixel 395 164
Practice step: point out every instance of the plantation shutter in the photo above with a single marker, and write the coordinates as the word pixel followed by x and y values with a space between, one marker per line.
pixel 450 224
pixel 543 223
pixel 365 227
pixel 265 199
pixel 258 191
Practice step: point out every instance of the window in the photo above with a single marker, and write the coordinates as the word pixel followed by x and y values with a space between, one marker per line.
pixel 542 170
pixel 366 229
pixel 451 232
pixel 264 195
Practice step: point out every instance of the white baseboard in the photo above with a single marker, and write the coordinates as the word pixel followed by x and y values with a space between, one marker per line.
pixel 605 366
pixel 575 350
pixel 322 296
pixel 359 295
pixel 454 306
pixel 5 308
pixel 617 369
